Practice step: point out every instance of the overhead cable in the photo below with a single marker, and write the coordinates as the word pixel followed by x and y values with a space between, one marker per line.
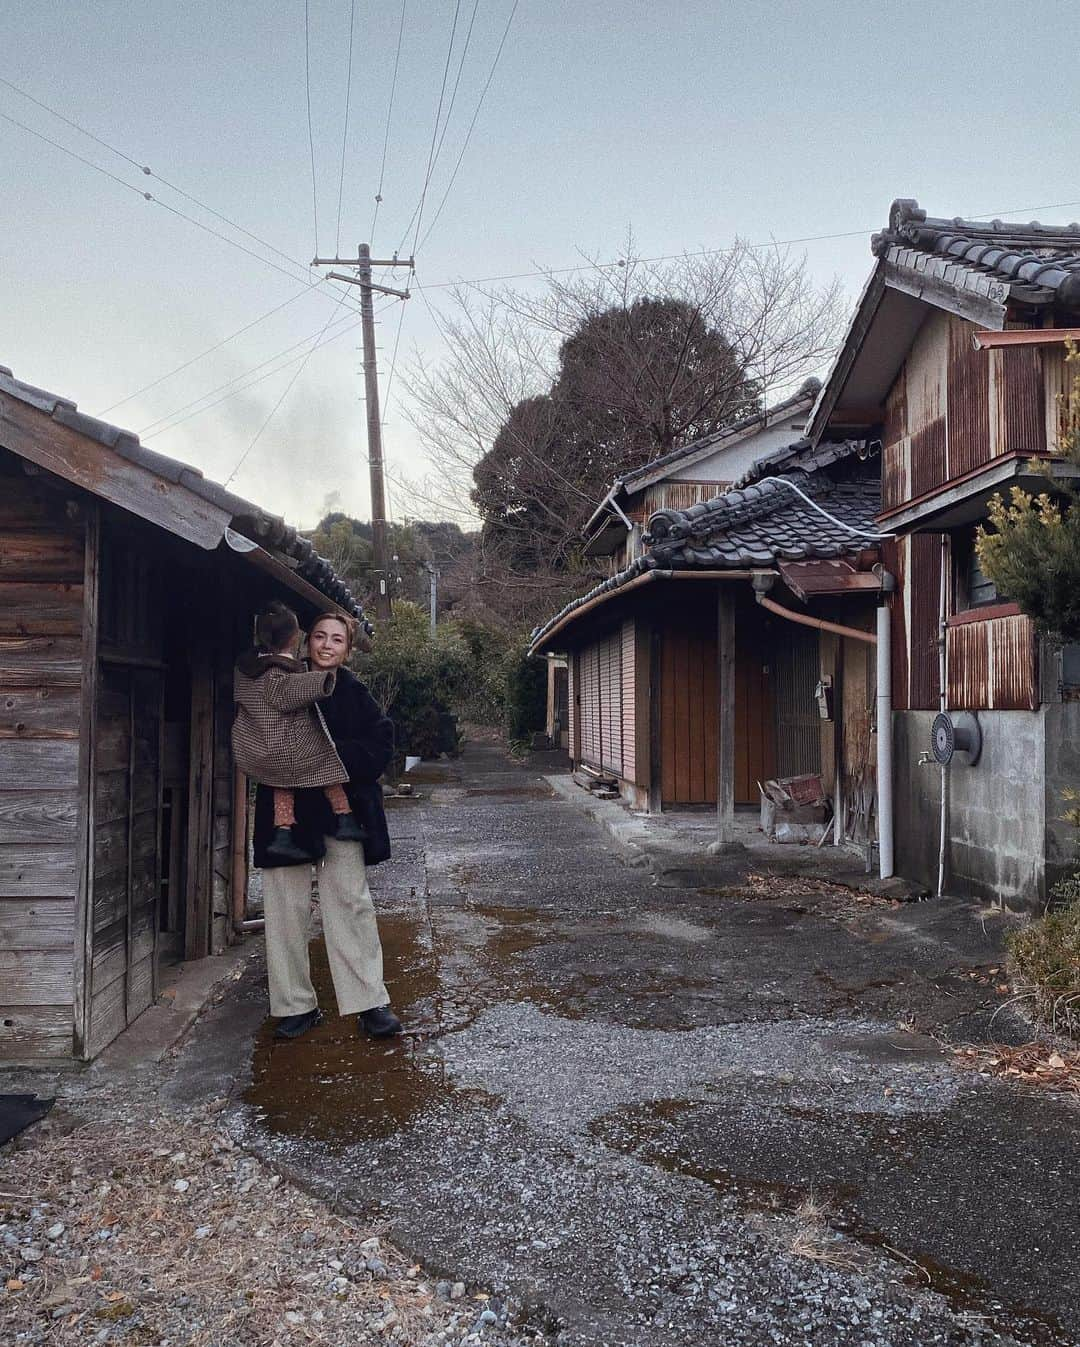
pixel 345 132
pixel 389 115
pixel 311 138
pixel 418 212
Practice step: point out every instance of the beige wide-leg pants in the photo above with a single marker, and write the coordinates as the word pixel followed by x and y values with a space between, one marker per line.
pixel 352 933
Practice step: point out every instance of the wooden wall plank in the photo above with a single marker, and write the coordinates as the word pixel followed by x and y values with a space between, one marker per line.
pixel 28 871
pixel 35 1031
pixel 36 977
pixel 42 556
pixel 39 764
pixel 40 661
pixel 38 816
pixel 40 609
pixel 108 1016
pixel 39 712
pixel 37 923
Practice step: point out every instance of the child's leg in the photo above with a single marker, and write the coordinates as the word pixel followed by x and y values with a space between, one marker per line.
pixel 284 815
pixel 339 801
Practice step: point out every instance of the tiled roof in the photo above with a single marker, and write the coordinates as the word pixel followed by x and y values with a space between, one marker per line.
pixel 757 525
pixel 802 455
pixel 1032 263
pixel 251 520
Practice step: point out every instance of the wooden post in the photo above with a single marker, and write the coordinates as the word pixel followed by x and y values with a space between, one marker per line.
pixel 84 890
pixel 725 720
pixel 239 854
pixel 200 809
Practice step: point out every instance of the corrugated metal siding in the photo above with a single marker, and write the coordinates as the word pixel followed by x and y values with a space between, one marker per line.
pixel 1020 404
pixel 924 599
pixel 796 667
pixel 571 694
pixel 968 401
pixel 629 692
pixel 993 665
pixel 928 457
pixel 897 447
pixel 590 706
pixel 1057 382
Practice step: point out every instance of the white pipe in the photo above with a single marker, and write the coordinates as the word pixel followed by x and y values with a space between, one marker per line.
pixel 942 829
pixel 884 745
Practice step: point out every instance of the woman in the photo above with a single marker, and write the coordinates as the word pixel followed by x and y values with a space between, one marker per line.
pixel 364 739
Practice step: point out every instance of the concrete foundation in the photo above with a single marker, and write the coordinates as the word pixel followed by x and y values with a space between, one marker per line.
pixel 1005 841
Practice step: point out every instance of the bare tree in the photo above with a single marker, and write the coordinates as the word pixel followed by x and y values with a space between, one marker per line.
pixel 543 397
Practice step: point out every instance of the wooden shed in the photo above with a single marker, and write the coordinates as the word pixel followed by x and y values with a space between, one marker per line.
pixel 128 583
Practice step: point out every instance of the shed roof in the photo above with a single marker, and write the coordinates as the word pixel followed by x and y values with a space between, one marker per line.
pixel 239 515
pixel 806 513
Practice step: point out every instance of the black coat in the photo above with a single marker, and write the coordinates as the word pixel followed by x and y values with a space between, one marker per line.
pixel 364 739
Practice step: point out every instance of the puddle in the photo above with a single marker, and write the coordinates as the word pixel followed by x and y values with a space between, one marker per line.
pixel 651 1133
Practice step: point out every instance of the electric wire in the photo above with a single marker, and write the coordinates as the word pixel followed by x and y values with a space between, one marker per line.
pixel 143 168
pixel 345 132
pixel 472 126
pixel 160 428
pixel 157 201
pixel 389 116
pixel 284 394
pixel 211 349
pixel 310 136
pixel 418 212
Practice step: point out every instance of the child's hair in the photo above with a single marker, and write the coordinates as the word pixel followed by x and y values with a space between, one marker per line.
pixel 277 626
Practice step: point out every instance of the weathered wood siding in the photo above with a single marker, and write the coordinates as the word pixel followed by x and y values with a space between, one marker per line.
pixel 41 622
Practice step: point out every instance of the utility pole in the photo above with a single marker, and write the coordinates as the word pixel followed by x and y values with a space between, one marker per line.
pixel 363 264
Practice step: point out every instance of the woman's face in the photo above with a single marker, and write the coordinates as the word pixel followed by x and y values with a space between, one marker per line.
pixel 328 644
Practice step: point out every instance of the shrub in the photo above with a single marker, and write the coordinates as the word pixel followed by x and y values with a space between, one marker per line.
pixel 1046 957
pixel 526 695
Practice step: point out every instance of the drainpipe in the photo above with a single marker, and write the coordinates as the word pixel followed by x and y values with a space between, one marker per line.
pixel 942 833
pixel 884 731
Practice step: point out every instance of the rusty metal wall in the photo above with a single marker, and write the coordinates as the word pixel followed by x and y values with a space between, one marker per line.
pixel 924 594
pixel 993 665
pixel 1020 402
pixel 896 447
pixel 968 401
pixel 796 668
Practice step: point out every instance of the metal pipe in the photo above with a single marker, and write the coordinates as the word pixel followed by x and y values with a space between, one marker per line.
pixel 805 620
pixel 255 924
pixel 942 670
pixel 884 744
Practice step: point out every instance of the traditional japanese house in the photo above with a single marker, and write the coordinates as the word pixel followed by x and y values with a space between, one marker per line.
pixel 954 360
pixel 128 582
pixel 739 646
pixel 690 474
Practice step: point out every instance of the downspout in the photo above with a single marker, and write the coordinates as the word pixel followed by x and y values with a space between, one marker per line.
pixel 942 834
pixel 884 730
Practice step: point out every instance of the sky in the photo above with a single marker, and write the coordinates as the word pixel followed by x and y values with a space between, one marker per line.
pixel 688 124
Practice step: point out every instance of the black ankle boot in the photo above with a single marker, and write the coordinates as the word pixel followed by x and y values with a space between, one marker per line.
pixel 348 830
pixel 284 850
pixel 292 1026
pixel 378 1023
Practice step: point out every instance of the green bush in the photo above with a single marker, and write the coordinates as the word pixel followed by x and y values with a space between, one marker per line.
pixel 526 695
pixel 1046 959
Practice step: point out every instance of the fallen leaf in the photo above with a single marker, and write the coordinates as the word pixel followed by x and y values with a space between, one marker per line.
pixel 95 1275
pixel 1056 1060
pixel 13 1284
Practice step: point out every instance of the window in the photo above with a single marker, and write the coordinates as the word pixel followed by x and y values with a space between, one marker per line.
pixel 973 588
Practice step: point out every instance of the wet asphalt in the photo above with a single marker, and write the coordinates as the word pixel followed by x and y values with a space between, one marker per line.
pixel 726 1114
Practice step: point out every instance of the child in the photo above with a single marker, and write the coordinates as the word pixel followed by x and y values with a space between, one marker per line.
pixel 279 736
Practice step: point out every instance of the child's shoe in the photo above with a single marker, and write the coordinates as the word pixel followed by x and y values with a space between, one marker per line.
pixel 283 849
pixel 348 830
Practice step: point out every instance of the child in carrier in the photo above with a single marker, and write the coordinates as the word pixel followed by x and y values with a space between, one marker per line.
pixel 279 736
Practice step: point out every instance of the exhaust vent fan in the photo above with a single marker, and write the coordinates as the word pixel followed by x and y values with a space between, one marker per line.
pixel 956 738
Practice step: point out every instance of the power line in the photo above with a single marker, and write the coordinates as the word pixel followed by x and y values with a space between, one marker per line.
pixel 457 79
pixel 389 114
pixel 149 432
pixel 311 138
pixel 211 349
pixel 472 124
pixel 68 121
pixel 345 132
pixel 285 393
pixel 434 130
pixel 157 201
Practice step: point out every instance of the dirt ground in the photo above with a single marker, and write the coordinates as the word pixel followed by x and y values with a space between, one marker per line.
pixel 766 1111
